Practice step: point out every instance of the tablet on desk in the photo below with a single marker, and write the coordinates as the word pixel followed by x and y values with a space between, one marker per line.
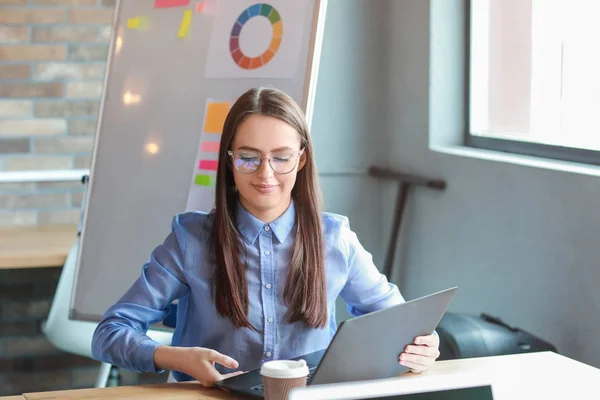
pixel 353 355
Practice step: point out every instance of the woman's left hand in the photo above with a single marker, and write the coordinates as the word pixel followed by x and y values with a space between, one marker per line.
pixel 420 355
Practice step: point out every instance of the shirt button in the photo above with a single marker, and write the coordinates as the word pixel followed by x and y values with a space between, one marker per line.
pixel 267 252
pixel 270 320
pixel 267 228
pixel 268 286
pixel 268 354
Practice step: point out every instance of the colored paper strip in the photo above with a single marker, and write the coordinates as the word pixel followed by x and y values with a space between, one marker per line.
pixel 170 3
pixel 199 6
pixel 210 147
pixel 215 117
pixel 184 28
pixel 208 165
pixel 203 180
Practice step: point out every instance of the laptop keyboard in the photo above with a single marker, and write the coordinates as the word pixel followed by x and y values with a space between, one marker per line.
pixel 311 372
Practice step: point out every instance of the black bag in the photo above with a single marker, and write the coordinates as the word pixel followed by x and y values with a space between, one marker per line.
pixel 465 336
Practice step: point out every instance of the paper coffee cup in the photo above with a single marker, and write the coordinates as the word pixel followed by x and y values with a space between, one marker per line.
pixel 281 376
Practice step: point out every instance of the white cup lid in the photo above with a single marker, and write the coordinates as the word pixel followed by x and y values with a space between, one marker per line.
pixel 284 369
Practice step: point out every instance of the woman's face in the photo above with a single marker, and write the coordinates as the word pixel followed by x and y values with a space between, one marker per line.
pixel 266 192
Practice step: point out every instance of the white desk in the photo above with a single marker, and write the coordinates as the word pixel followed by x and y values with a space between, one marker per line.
pixel 526 376
pixel 532 376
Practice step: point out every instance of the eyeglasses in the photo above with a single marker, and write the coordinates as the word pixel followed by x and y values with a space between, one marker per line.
pixel 248 162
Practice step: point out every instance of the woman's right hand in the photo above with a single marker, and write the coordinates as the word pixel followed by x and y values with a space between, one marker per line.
pixel 201 365
pixel 198 362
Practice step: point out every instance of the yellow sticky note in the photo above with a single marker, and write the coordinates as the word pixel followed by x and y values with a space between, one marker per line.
pixel 215 117
pixel 184 28
pixel 133 23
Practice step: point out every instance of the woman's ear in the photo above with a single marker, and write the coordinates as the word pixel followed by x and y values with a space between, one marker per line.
pixel 302 161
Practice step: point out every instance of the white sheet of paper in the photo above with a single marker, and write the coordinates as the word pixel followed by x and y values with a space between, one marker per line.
pixel 255 36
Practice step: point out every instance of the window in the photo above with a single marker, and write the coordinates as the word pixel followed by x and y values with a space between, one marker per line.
pixel 535 78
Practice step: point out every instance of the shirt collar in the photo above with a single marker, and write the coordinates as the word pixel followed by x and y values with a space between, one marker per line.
pixel 250 226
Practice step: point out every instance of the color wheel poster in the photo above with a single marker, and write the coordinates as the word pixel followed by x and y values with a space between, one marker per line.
pixel 252 39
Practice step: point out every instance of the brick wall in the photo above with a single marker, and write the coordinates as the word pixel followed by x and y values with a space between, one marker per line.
pixel 52 62
pixel 28 361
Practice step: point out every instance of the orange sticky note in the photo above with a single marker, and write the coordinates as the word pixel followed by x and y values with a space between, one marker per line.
pixel 215 117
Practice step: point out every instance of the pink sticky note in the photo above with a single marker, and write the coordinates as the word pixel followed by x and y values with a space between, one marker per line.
pixel 210 147
pixel 199 6
pixel 170 3
pixel 208 165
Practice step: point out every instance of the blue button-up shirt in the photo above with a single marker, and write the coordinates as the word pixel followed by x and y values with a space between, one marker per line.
pixel 180 269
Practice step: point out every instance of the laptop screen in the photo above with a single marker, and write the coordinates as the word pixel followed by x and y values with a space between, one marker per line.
pixel 477 391
pixel 471 393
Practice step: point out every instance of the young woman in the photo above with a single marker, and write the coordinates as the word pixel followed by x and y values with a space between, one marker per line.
pixel 256 278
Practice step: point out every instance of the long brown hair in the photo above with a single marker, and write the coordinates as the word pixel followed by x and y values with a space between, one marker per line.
pixel 304 293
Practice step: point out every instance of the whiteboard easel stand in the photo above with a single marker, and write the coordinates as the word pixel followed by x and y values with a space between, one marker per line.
pixel 71 336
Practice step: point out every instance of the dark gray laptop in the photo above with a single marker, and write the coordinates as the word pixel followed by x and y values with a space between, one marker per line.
pixel 363 348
